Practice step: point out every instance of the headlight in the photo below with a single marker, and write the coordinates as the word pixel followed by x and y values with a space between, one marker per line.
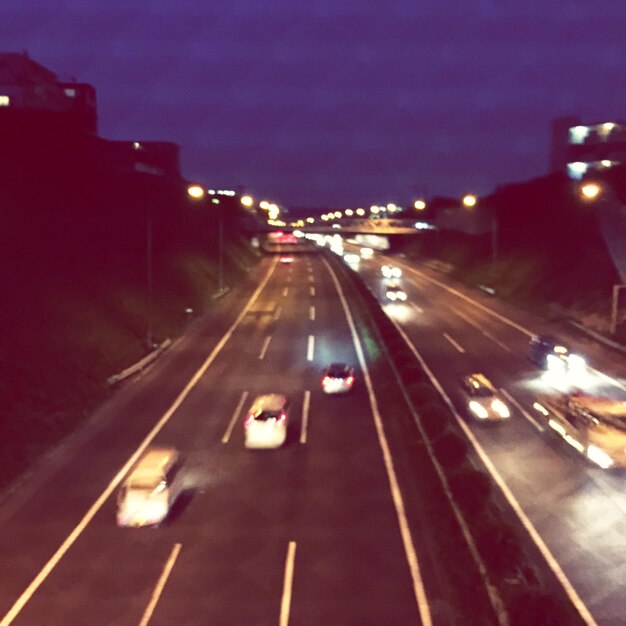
pixel 599 457
pixel 401 295
pixel 391 295
pixel 478 409
pixel 500 408
pixel 555 364
pixel 576 363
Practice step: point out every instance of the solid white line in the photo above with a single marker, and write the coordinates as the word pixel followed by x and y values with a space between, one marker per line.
pixel 266 345
pixel 277 312
pixel 528 525
pixel 233 419
pixel 26 595
pixel 454 343
pixel 312 291
pixel 310 348
pixel 417 308
pixel 305 416
pixel 487 310
pixel 311 279
pixel 285 292
pixel 285 603
pixel 396 494
pixel 312 313
pixel 521 409
pixel 158 590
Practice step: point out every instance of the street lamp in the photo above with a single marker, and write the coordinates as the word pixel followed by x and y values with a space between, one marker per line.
pixel 469 200
pixel 419 205
pixel 590 191
pixel 196 192
pixel 247 201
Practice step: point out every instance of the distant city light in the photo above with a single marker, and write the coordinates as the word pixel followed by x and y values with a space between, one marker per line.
pixel 420 205
pixel 247 200
pixel 349 212
pixel 590 191
pixel 360 212
pixel 337 214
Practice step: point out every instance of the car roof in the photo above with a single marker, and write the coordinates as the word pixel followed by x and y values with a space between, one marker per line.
pixel 338 367
pixel 269 402
pixel 478 380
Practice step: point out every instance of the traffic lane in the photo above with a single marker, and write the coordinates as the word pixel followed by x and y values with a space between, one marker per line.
pixel 554 486
pixel 41 514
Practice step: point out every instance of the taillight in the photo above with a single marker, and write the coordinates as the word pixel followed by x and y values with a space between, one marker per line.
pixel 249 420
pixel 282 418
pixel 326 380
pixel 350 380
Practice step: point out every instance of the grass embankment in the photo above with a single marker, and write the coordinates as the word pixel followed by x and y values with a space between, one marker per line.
pixel 66 334
pixel 476 544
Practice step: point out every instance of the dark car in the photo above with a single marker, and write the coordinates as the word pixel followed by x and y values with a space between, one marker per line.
pixel 549 353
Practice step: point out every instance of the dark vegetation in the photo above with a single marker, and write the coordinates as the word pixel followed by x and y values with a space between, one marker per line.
pixel 551 254
pixel 73 276
pixel 530 595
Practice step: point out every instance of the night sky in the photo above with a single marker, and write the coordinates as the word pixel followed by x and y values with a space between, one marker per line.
pixel 338 102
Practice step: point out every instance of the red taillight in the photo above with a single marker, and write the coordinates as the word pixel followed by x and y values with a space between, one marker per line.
pixel 282 418
pixel 249 420
pixel 326 380
pixel 350 380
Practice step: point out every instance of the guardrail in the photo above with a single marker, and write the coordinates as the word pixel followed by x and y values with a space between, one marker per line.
pixel 137 367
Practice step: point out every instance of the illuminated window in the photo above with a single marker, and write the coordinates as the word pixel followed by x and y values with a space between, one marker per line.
pixel 577 169
pixel 5 101
pixel 578 134
pixel 70 92
pixel 604 130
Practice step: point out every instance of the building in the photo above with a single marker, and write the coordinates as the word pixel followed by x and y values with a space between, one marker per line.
pixel 29 92
pixel 578 148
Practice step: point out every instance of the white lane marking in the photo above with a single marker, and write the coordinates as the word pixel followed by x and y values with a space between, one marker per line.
pixel 277 312
pixel 285 603
pixel 45 571
pixel 285 292
pixel 396 494
pixel 311 279
pixel 305 416
pixel 266 345
pixel 233 419
pixel 454 343
pixel 451 290
pixel 310 348
pixel 523 411
pixel 158 590
pixel 312 291
pixel 417 308
pixel 312 313
pixel 528 525
pixel 482 330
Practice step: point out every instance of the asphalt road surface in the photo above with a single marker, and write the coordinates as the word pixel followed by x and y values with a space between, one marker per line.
pixel 307 534
pixel 575 509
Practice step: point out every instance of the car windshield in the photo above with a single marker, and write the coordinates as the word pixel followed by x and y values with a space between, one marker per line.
pixel 263 416
pixel 338 371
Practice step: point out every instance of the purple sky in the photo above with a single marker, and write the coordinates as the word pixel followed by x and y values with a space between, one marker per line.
pixel 338 102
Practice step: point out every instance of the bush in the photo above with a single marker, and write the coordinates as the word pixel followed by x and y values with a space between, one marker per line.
pixel 471 490
pixel 422 394
pixel 450 450
pixel 434 418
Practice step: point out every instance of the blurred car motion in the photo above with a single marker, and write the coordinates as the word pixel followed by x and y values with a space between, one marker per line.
pixel 391 271
pixel 367 253
pixel 395 293
pixel 552 355
pixel 594 426
pixel 151 488
pixel 482 399
pixel 338 378
pixel 351 258
pixel 266 423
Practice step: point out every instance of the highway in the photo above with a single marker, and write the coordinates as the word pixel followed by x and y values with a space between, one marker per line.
pixel 325 530
pixel 575 509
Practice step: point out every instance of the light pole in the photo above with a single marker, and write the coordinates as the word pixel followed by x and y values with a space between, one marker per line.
pixel 149 337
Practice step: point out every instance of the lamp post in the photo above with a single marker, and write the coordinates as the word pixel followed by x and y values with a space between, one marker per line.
pixel 149 333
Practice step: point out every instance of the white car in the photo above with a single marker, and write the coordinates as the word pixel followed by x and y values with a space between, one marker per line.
pixel 351 258
pixel 338 378
pixel 367 253
pixel 266 422
pixel 395 293
pixel 391 271
pixel 482 399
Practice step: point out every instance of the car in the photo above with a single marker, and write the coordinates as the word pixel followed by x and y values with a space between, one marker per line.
pixel 366 253
pixel 286 258
pixel 151 488
pixel 395 293
pixel 391 271
pixel 553 355
pixel 351 258
pixel 266 422
pixel 338 378
pixel 482 399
